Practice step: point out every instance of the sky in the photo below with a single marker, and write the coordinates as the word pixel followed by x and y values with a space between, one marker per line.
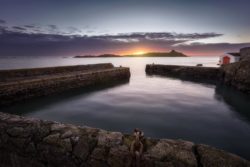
pixel 80 27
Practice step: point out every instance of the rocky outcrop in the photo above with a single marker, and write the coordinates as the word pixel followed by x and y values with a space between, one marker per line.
pixel 28 142
pixel 41 85
pixel 237 75
pixel 245 53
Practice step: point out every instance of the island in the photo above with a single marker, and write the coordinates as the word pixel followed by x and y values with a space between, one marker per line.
pixel 172 53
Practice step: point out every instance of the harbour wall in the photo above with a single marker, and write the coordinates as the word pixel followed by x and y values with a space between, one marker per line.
pixel 42 85
pixel 15 74
pixel 32 142
pixel 236 75
pixel 193 73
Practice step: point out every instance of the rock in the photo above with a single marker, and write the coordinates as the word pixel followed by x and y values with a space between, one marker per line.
pixel 18 132
pixel 18 142
pixel 84 147
pixel 100 154
pixel 45 143
pixel 176 153
pixel 237 75
pixel 54 139
pixel 109 138
pixel 212 157
pixel 245 53
pixel 119 157
pixel 67 134
pixel 57 127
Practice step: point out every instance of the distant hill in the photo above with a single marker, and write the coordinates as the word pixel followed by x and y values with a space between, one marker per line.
pixel 172 53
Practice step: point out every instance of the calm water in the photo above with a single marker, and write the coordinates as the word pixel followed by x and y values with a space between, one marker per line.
pixel 163 107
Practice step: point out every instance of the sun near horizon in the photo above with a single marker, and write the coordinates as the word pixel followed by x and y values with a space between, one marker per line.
pixel 139 52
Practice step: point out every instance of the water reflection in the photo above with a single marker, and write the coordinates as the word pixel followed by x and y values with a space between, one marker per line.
pixel 163 107
pixel 238 101
pixel 41 103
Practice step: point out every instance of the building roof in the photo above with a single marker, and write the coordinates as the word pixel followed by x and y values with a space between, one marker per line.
pixel 234 54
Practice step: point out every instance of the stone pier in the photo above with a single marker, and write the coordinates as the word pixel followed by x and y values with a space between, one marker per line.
pixel 28 142
pixel 209 74
pixel 236 75
pixel 18 85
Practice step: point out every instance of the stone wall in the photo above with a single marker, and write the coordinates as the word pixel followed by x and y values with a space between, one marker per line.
pixel 27 142
pixel 11 92
pixel 236 74
pixel 7 75
pixel 245 53
pixel 206 74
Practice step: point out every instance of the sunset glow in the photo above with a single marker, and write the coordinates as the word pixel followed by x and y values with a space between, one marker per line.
pixel 123 27
pixel 139 52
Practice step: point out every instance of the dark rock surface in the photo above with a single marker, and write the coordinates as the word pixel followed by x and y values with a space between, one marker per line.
pixel 245 53
pixel 27 142
pixel 237 75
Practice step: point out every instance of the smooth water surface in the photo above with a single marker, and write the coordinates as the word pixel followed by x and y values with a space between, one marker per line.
pixel 162 107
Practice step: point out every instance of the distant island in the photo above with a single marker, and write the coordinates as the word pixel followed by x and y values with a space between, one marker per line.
pixel 172 53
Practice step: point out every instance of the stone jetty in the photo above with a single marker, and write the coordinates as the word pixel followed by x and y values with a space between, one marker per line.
pixel 22 84
pixel 208 74
pixel 28 142
pixel 236 74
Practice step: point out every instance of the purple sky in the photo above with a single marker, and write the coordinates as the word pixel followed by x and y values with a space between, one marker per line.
pixel 77 27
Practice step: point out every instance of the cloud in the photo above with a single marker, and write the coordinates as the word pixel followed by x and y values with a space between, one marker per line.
pixel 53 27
pixel 18 28
pixel 32 40
pixel 2 21
pixel 157 36
pixel 74 30
pixel 211 49
pixel 30 26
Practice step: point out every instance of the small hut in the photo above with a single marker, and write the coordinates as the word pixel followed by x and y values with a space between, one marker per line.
pixel 229 58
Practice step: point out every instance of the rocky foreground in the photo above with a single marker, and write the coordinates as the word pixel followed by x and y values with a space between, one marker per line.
pixel 28 142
